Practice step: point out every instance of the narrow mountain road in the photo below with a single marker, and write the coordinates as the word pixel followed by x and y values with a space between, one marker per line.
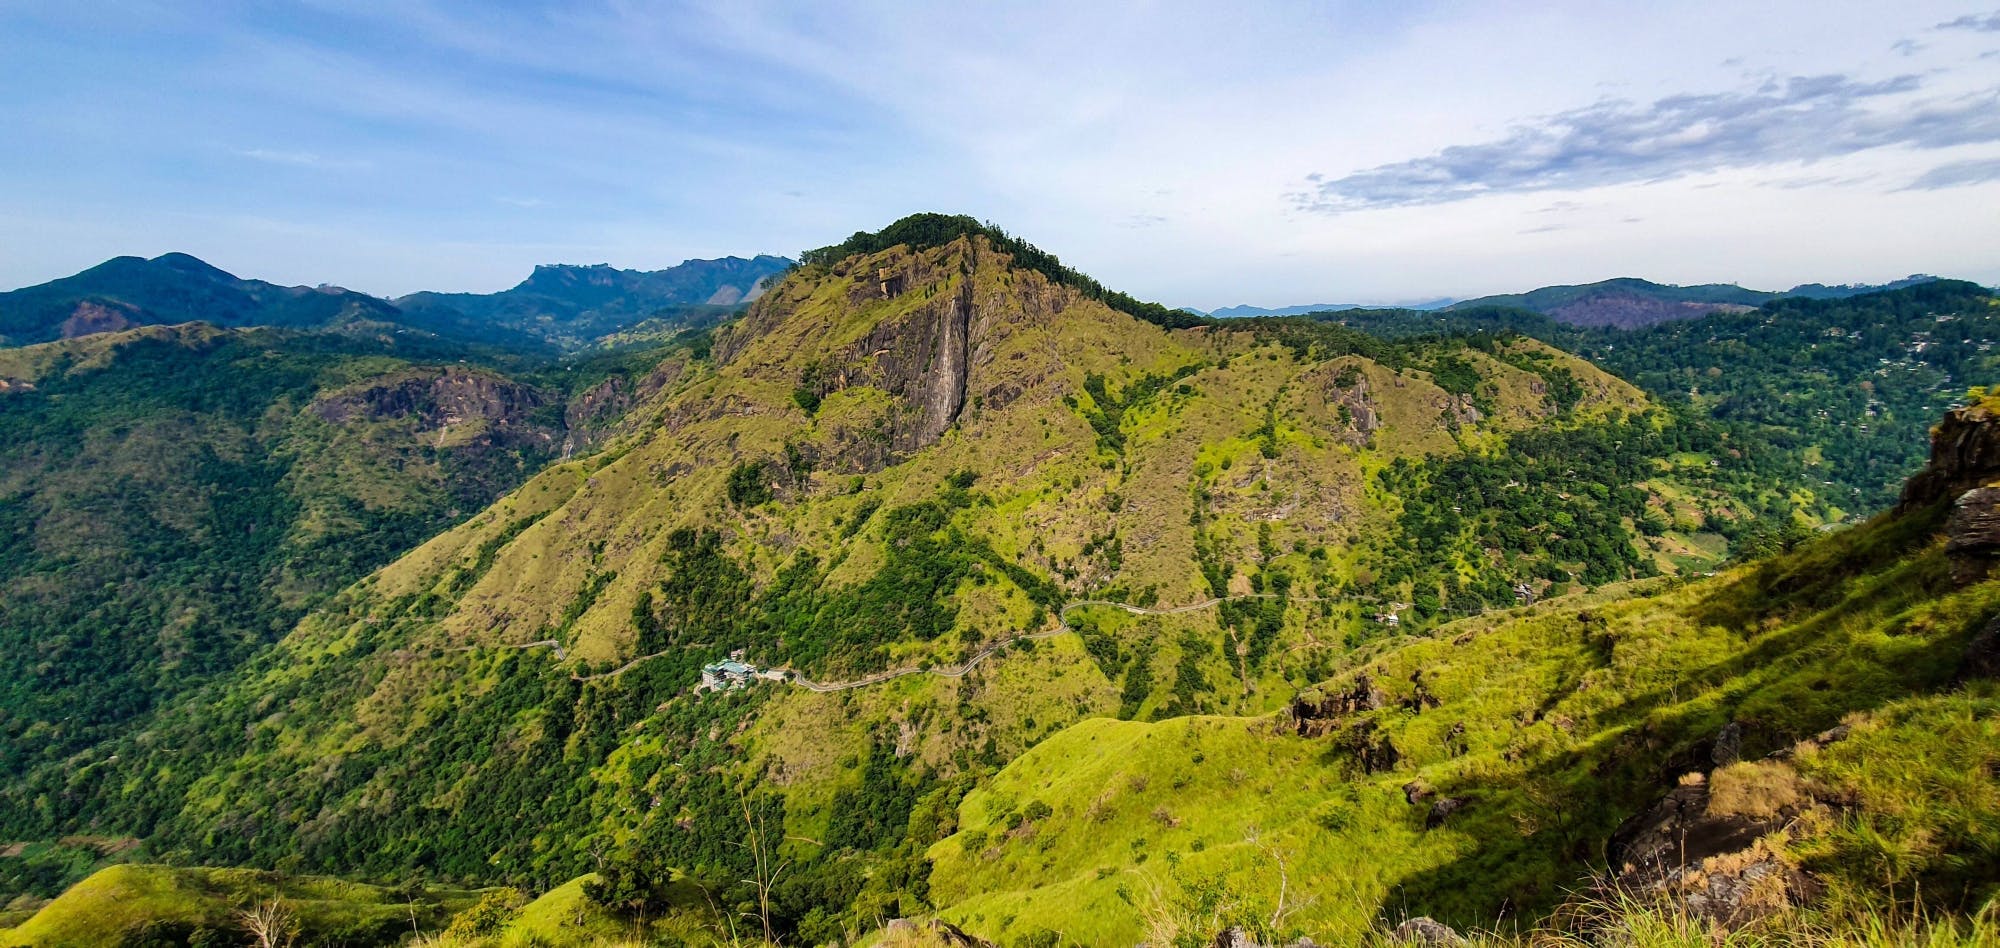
pixel 961 670
pixel 949 671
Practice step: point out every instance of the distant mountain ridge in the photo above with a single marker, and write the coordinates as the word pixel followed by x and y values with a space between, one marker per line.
pixel 1244 310
pixel 1629 302
pixel 557 306
pixel 1622 303
pixel 126 292
pixel 572 305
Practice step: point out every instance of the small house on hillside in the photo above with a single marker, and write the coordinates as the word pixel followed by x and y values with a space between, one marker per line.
pixel 733 673
pixel 727 675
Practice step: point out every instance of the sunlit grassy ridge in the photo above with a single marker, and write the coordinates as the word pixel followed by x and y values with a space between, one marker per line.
pixel 162 905
pixel 1555 723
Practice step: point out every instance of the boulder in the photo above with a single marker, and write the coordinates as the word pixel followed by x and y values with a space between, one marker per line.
pixel 1426 932
pixel 1236 937
pixel 1713 862
pixel 1974 527
pixel 1442 811
pixel 952 935
pixel 1728 747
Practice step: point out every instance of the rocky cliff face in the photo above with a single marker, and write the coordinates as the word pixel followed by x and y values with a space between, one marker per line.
pixel 439 400
pixel 1965 453
pixel 593 416
pixel 946 310
pixel 1965 460
pixel 91 316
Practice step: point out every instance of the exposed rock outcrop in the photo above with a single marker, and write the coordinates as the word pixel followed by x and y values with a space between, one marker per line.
pixel 441 399
pixel 1982 654
pixel 1426 932
pixel 93 316
pixel 1965 454
pixel 1974 527
pixel 1703 844
pixel 1315 713
pixel 1238 938
pixel 1728 747
pixel 1442 809
pixel 593 417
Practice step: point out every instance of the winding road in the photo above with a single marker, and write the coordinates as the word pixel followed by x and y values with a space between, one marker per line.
pixel 948 671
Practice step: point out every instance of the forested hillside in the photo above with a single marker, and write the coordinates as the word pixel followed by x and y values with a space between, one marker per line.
pixel 174 499
pixel 1832 395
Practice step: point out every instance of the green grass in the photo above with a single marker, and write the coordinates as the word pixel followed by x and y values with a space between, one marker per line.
pixel 1556 722
pixel 122 902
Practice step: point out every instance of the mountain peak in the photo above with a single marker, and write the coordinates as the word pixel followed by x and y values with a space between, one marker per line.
pixel 193 266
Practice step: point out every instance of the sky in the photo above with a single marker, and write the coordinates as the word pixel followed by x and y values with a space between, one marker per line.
pixel 1195 154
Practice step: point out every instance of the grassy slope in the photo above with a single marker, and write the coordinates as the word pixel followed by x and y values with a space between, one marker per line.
pixel 1574 717
pixel 122 902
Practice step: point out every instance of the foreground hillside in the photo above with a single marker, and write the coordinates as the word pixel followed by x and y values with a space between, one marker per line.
pixel 1801 751
pixel 1812 741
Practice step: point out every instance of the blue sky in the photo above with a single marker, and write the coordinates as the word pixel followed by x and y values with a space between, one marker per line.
pixel 1197 154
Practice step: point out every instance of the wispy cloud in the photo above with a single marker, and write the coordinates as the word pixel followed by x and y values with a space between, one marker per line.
pixel 1988 23
pixel 300 159
pixel 1958 174
pixel 1802 119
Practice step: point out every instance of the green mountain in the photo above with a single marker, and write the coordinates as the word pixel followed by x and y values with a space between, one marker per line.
pixel 572 306
pixel 558 308
pixel 126 292
pixel 1834 396
pixel 1626 302
pixel 946 583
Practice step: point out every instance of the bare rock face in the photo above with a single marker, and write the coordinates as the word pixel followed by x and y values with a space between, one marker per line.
pixel 928 354
pixel 1965 454
pixel 925 361
pixel 91 316
pixel 1974 527
pixel 441 399
pixel 1702 845
pixel 1315 713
